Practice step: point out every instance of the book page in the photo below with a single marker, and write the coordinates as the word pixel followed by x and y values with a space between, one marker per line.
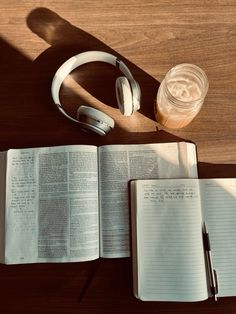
pixel 219 204
pixel 120 163
pixel 52 205
pixel 2 203
pixel 168 248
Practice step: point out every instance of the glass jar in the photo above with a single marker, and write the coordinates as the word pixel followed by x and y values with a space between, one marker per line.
pixel 181 95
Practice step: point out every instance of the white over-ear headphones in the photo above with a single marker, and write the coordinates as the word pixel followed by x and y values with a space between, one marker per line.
pixel 128 92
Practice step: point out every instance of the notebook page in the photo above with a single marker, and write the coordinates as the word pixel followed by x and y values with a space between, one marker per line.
pixel 219 202
pixel 170 253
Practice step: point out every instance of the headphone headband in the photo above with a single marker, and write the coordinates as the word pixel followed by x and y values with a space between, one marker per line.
pixel 82 58
pixel 127 89
pixel 73 63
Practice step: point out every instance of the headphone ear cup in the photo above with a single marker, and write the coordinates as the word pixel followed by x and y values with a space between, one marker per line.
pixel 91 119
pixel 124 96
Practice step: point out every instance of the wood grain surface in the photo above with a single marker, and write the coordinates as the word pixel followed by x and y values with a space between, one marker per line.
pixel 150 36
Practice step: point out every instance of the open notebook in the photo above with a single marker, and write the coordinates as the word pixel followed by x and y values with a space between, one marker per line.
pixel 170 260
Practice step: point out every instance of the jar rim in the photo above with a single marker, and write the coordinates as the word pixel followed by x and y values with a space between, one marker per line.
pixel 195 70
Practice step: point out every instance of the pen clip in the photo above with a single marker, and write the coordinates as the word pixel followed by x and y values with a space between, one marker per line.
pixel 216 285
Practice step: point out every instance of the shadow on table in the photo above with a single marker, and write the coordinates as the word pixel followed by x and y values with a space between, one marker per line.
pixel 67 40
pixel 208 170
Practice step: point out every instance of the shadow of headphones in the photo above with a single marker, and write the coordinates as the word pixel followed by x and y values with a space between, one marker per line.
pixel 128 93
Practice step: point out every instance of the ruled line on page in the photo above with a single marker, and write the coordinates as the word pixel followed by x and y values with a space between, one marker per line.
pixel 219 199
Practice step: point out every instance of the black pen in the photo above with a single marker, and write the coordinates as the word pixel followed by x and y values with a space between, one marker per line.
pixel 211 271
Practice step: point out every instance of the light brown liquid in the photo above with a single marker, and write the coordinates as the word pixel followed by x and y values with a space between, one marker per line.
pixel 173 121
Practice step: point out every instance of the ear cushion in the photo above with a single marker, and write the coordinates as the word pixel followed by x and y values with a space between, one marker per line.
pixel 94 120
pixel 124 96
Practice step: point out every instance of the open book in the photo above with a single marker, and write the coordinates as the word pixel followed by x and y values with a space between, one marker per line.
pixel 70 203
pixel 171 260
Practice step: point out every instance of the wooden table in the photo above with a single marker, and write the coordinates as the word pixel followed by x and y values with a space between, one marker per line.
pixel 150 36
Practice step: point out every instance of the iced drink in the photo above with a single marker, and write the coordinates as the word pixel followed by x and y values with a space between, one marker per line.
pixel 180 96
